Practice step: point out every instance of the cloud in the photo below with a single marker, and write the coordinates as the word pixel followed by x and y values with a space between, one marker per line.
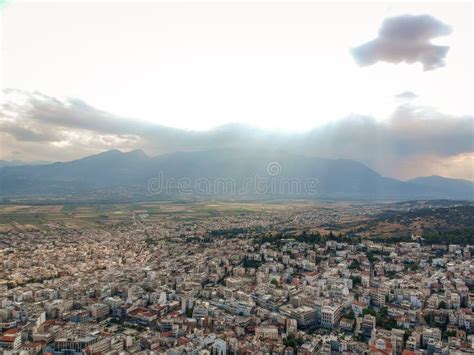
pixel 25 133
pixel 411 135
pixel 406 38
pixel 413 141
pixel 406 95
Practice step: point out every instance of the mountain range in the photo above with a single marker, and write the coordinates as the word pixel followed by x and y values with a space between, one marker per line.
pixel 22 162
pixel 224 173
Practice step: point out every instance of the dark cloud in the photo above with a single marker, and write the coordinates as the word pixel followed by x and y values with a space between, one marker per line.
pixel 412 134
pixel 44 128
pixel 22 133
pixel 406 38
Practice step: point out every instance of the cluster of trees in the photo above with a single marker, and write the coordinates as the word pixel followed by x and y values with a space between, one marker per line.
pixel 356 280
pixel 355 265
pixel 392 240
pixel 309 238
pixel 280 239
pixel 292 341
pixel 413 266
pixel 454 236
pixel 233 232
pixel 150 241
pixel 350 315
pixel 230 233
pixel 458 236
pixel 253 264
pixel 458 215
pixel 350 238
pixel 373 254
pixel 382 318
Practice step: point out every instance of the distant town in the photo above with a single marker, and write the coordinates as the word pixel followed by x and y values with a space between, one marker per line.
pixel 236 279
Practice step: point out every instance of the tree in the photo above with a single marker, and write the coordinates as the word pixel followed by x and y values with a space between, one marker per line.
pixel 350 315
pixel 354 265
pixel 292 341
pixel 356 280
pixel 369 311
pixel 450 333
pixel 429 318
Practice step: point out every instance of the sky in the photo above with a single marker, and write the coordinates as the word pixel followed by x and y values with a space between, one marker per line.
pixel 81 77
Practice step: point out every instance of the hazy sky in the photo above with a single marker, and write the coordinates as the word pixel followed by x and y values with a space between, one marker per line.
pixel 286 66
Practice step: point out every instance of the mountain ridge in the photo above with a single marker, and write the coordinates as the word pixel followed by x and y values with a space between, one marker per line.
pixel 115 170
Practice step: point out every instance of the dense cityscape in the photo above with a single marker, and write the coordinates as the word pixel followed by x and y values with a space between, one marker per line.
pixel 236 177
pixel 232 283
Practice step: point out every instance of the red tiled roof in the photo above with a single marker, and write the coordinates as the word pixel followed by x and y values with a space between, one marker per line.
pixel 142 311
pixel 183 340
pixel 7 339
pixel 11 331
